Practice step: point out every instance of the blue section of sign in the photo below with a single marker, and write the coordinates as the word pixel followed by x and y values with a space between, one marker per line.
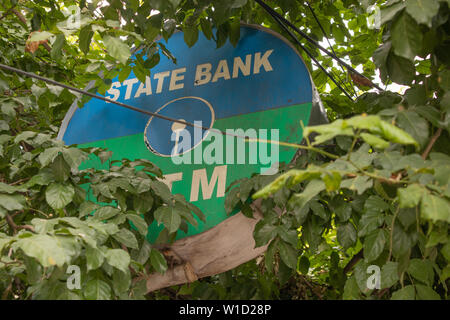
pixel 261 73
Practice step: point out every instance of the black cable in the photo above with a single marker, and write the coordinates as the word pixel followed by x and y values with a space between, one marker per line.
pixel 93 95
pixel 314 42
pixel 331 47
pixel 84 92
pixel 312 57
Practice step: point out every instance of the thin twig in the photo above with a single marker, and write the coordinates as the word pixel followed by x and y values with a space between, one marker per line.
pixel 19 181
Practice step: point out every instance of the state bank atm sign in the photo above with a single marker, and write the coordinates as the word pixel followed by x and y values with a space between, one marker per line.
pixel 259 88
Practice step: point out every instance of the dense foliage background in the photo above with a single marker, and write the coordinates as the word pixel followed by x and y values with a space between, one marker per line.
pixel 372 189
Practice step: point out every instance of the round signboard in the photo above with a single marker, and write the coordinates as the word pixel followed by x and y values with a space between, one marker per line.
pixel 260 89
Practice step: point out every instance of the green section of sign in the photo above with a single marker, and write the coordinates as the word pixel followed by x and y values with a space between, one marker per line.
pixel 286 120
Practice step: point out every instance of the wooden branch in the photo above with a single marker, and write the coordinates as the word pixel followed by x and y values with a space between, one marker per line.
pixel 431 144
pixel 16 227
pixel 20 16
pixel 222 248
pixel 356 258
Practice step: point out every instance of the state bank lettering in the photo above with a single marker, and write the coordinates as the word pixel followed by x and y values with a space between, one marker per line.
pixel 204 74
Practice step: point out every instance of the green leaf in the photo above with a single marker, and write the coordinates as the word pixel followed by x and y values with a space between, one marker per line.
pixel 406 37
pixel 374 141
pixel 85 38
pixel 169 217
pixel 446 251
pixel 190 35
pixel 4 126
pixel 435 208
pixel 401 242
pixel 117 48
pixel 328 131
pixel 394 134
pixel 380 57
pixel 407 217
pixel 359 184
pixel 423 11
pixel 372 218
pixel 270 255
pixel 264 232
pixel 374 245
pixel 342 209
pixel 400 70
pixel 206 28
pixel 288 254
pixel 60 169
pixel 235 29
pixel 97 289
pixel 118 258
pixel 312 189
pixel 304 264
pixel 12 202
pixel 59 195
pixel 106 212
pixel 332 181
pixel 74 157
pixel 40 36
pixel 389 13
pixel 415 125
pixel 121 281
pixel 139 223
pixel 422 270
pixel 389 274
pixel 406 293
pixel 127 238
pixel 44 249
pixel 57 46
pixel 351 289
pixel 410 197
pixel 346 235
pixel 48 155
pixel 34 270
pixel 362 276
pixel 94 258
pixel 144 253
pixel 426 293
pixel 158 261
pixel 444 81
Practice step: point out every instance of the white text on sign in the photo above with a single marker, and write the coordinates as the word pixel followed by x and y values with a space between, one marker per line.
pixel 204 74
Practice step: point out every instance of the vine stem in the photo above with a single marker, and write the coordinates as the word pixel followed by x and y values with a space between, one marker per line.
pixel 374 176
pixel 392 233
pixel 295 145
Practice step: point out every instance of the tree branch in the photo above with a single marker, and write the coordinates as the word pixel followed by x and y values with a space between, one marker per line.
pixel 20 16
pixel 15 227
pixel 431 143
pixel 354 261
